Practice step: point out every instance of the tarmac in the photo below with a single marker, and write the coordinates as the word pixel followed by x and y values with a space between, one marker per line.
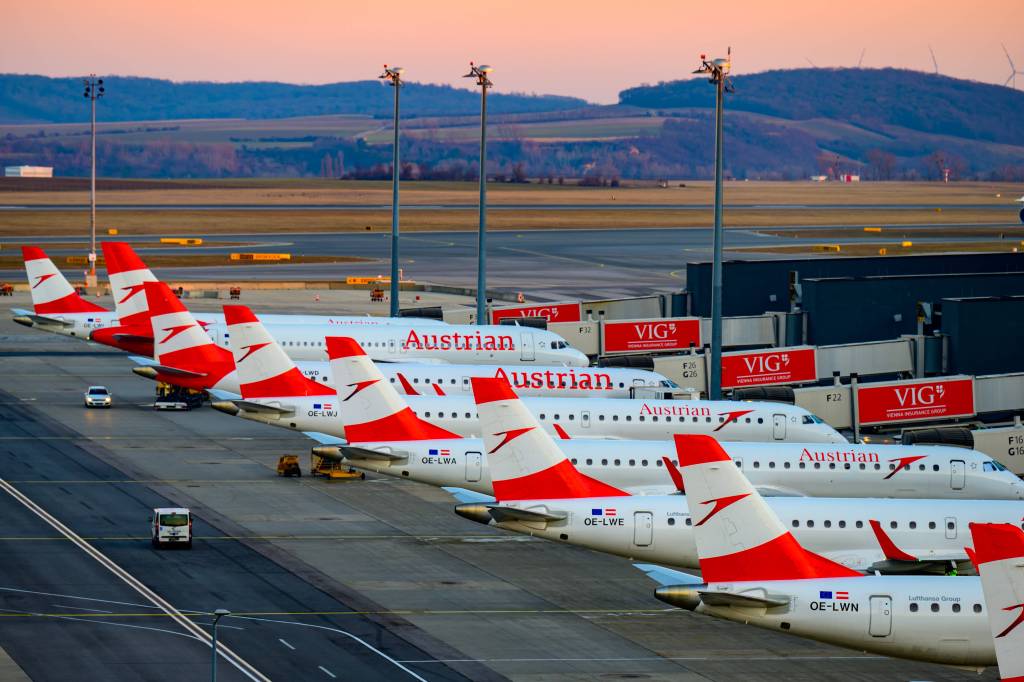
pixel 374 579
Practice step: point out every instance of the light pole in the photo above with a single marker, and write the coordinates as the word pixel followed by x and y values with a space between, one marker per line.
pixel 718 73
pixel 480 73
pixel 394 76
pixel 217 615
pixel 93 91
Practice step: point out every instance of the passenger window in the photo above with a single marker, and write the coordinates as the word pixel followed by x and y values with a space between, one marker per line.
pixel 956 608
pixel 913 607
pixel 643 462
pixel 785 465
pixel 796 523
pixel 913 525
pixel 935 607
pixel 842 524
pixel 860 524
pixel 977 608
pixel 671 521
pixel 931 525
pixel 604 462
pixel 617 462
pixel 573 460
pixel 632 462
pixel 589 462
pixel 689 522
pixel 828 524
pixel 810 524
pixel 757 465
pixel 893 525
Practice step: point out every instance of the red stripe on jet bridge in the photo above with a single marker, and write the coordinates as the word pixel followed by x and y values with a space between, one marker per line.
pixel 343 347
pixel 72 303
pixel 699 449
pixel 289 383
pixel 238 314
pixel 560 481
pixel 120 257
pixel 996 541
pixel 779 559
pixel 32 253
pixel 402 425
pixel 491 389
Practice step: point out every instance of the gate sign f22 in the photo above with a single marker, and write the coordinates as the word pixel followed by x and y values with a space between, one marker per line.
pixel 553 312
pixel 666 334
pixel 776 366
pixel 917 400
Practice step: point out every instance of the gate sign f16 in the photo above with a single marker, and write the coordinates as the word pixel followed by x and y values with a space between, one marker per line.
pixel 906 401
pixel 776 366
pixel 638 336
pixel 553 312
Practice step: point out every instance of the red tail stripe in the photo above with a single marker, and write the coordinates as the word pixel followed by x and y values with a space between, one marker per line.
pixel 400 426
pixel 343 347
pixel 779 559
pixel 107 336
pixel 213 361
pixel 698 449
pixel 72 303
pixel 561 481
pixel 32 253
pixel 996 541
pixel 162 300
pixel 289 383
pixel 120 257
pixel 490 389
pixel 238 314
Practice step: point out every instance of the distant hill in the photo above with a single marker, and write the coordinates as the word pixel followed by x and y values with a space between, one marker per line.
pixel 39 99
pixel 873 99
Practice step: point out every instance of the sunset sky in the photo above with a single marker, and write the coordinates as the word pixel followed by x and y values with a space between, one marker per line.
pixel 587 49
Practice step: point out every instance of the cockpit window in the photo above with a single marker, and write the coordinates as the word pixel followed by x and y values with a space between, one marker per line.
pixel 993 465
pixel 668 383
pixel 812 419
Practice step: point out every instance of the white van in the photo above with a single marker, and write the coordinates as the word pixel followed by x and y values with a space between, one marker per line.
pixel 172 526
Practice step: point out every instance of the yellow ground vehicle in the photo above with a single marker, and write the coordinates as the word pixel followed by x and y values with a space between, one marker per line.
pixel 288 465
pixel 332 469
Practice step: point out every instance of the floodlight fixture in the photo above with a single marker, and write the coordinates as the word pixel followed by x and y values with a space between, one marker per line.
pixel 481 73
pixel 393 75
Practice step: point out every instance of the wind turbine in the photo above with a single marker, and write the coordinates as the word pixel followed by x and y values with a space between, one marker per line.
pixel 1012 80
pixel 935 62
pixel 861 60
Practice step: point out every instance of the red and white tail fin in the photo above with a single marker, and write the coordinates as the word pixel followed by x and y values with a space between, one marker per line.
pixel 371 408
pixel 264 369
pixel 739 538
pixel 181 342
pixel 999 556
pixel 51 292
pixel 127 275
pixel 525 462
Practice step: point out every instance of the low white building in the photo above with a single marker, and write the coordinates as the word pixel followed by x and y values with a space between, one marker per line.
pixel 28 171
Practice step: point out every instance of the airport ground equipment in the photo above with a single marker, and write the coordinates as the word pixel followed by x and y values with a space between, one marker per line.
pixel 170 397
pixel 332 469
pixel 288 465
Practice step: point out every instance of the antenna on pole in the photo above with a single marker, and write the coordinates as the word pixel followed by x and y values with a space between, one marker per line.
pixel 861 60
pixel 935 62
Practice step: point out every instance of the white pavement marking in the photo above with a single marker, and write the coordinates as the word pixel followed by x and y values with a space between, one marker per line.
pixel 91 621
pixel 286 644
pixel 79 608
pixel 327 672
pixel 199 633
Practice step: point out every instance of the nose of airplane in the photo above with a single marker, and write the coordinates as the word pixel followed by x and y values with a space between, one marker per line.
pixel 577 359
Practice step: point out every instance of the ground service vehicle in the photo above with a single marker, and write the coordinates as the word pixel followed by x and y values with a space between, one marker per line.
pixel 171 526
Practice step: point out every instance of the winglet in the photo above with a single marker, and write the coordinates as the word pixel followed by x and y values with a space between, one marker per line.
pixel 406 386
pixel 438 390
pixel 674 474
pixel 560 431
pixel 889 548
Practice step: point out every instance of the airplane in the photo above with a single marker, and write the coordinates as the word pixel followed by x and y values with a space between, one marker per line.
pixel 56 306
pixel 778 469
pixel 572 417
pixel 997 553
pixel 538 492
pixel 246 332
pixel 753 571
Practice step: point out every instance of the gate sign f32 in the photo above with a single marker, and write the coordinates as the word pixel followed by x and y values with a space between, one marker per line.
pixel 553 312
pixel 775 366
pixel 637 336
pixel 906 401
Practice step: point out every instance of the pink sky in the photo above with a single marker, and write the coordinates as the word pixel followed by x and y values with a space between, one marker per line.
pixel 588 49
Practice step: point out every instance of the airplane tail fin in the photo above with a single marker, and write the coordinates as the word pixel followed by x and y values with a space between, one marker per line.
pixel 999 556
pixel 525 462
pixel 739 537
pixel 264 369
pixel 127 275
pixel 179 341
pixel 371 409
pixel 51 291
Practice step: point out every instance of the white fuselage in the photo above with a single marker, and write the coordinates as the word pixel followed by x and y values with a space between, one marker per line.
pixel 773 468
pixel 658 529
pixel 585 418
pixel 454 344
pixel 926 618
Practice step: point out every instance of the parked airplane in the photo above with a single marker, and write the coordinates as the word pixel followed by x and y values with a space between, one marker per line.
pixel 997 552
pixel 245 332
pixel 754 571
pixel 785 469
pixel 575 417
pixel 56 306
pixel 537 491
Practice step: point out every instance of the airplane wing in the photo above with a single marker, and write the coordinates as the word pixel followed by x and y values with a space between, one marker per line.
pixel 777 491
pixel 668 576
pixel 324 439
pixel 740 600
pixel 354 452
pixel 173 371
pixel 499 514
pixel 463 495
pixel 124 336
pixel 249 406
pixel 221 394
pixel 39 319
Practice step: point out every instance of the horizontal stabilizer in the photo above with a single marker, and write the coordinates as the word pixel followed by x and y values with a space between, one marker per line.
pixel 501 514
pixel 176 371
pixel 324 439
pixel 467 496
pixel 355 452
pixel 221 394
pixel 668 576
pixel 44 320
pixel 740 600
pixel 250 406
pixel 136 338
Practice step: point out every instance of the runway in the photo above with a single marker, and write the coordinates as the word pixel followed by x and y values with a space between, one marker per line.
pixel 300 562
pixel 497 207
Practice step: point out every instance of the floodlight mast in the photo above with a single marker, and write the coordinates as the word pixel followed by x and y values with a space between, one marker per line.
pixel 393 75
pixel 717 71
pixel 93 91
pixel 481 73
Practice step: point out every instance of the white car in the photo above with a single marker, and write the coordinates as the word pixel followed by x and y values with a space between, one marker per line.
pixel 98 396
pixel 171 526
